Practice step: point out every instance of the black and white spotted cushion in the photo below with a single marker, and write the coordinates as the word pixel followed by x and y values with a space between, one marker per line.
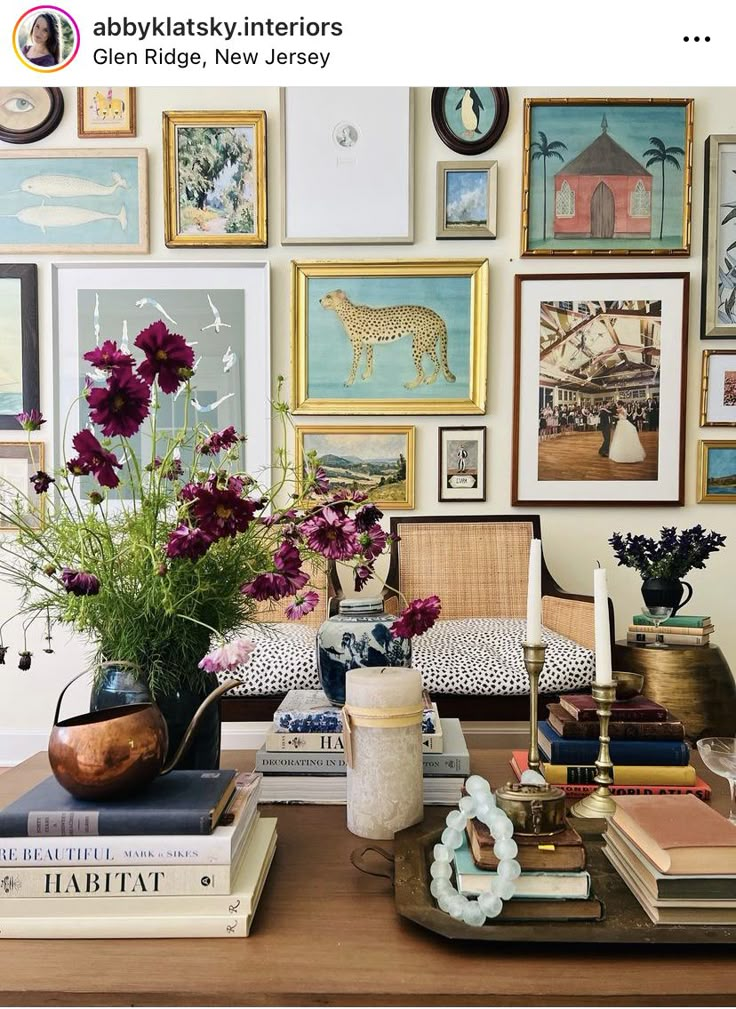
pixel 471 656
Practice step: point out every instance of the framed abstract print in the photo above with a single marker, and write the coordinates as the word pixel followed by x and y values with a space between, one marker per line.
pixel 106 112
pixel 389 336
pixel 461 464
pixel 717 472
pixel 19 385
pixel 718 296
pixel 19 460
pixel 599 401
pixel 466 199
pixel 29 114
pixel 347 166
pixel 376 460
pixel 470 120
pixel 215 179
pixel 607 176
pixel 718 389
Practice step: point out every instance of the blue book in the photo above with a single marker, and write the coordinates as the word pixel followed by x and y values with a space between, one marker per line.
pixel 183 802
pixel 536 885
pixel 642 752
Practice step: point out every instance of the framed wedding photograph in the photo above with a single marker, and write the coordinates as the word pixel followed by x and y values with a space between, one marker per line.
pixel 718 389
pixel 106 112
pixel 389 336
pixel 376 460
pixel 466 199
pixel 607 176
pixel 19 382
pixel 461 464
pixel 215 179
pixel 347 166
pixel 717 472
pixel 599 389
pixel 718 295
pixel 470 120
pixel 19 460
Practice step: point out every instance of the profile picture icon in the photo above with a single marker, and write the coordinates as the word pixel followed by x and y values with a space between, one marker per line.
pixel 46 38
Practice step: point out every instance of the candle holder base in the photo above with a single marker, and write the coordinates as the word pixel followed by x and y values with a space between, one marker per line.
pixel 594 806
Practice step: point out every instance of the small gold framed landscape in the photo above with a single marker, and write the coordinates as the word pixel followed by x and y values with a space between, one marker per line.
pixel 19 460
pixel 466 199
pixel 718 389
pixel 389 336
pixel 106 112
pixel 717 472
pixel 215 179
pixel 378 460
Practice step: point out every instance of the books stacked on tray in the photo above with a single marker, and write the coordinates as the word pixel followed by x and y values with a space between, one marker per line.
pixel 647 747
pixel 187 857
pixel 680 630
pixel 677 856
pixel 302 759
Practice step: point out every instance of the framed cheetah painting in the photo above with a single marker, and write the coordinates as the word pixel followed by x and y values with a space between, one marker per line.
pixel 389 336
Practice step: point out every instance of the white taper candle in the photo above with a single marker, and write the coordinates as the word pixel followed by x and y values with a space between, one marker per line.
pixel 534 595
pixel 603 667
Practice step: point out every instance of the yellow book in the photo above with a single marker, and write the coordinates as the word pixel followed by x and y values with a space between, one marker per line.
pixel 568 774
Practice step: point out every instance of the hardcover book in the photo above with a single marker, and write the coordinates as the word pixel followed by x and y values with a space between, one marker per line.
pixel 310 711
pixel 691 620
pixel 638 709
pixel 331 789
pixel 572 728
pixel 559 852
pixel 471 880
pixel 668 627
pixel 333 742
pixel 624 752
pixel 646 637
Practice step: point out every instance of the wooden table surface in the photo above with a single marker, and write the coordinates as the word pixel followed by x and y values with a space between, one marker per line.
pixel 326 934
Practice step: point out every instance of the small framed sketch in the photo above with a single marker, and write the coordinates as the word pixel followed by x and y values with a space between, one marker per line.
pixel 466 199
pixel 461 464
pixel 470 120
pixel 718 389
pixel 19 460
pixel 718 297
pixel 215 179
pixel 106 112
pixel 29 114
pixel 376 460
pixel 717 472
pixel 19 386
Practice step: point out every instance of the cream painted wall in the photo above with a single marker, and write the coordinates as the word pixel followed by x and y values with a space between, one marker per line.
pixel 574 538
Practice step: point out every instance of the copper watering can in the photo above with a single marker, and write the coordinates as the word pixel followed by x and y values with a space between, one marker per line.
pixel 116 751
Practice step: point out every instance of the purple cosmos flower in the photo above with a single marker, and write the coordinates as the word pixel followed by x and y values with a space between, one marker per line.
pixel 269 585
pixel 417 617
pixel 362 574
pixel 77 468
pixel 221 511
pixel 302 605
pixel 320 480
pixel 80 583
pixel 107 357
pixel 121 405
pixel 220 440
pixel 331 534
pixel 24 660
pixel 96 459
pixel 169 358
pixel 41 481
pixel 187 542
pixel 228 657
pixel 367 516
pixel 30 420
pixel 372 542
pixel 172 471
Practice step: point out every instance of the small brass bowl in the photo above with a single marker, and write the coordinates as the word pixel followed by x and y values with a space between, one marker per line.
pixel 628 685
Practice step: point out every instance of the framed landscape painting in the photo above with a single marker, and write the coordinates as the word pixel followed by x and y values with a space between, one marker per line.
pixel 389 336
pixel 718 297
pixel 215 179
pixel 607 176
pixel 599 396
pixel 717 472
pixel 466 199
pixel 19 384
pixel 376 460
pixel 106 112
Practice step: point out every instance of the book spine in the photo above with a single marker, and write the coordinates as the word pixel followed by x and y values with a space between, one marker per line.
pixel 115 926
pixel 299 723
pixel 702 791
pixel 60 882
pixel 624 752
pixel 330 742
pixel 674 629
pixel 632 714
pixel 678 621
pixel 334 763
pixel 103 822
pixel 673 731
pixel 642 637
pixel 561 774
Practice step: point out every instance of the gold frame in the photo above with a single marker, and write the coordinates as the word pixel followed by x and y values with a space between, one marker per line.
pixel 684 250
pixel 477 270
pixel 442 228
pixel 367 429
pixel 102 134
pixel 171 121
pixel 38 460
pixel 703 496
pixel 704 378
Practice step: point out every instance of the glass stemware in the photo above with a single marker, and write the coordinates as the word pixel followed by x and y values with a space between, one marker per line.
pixel 657 614
pixel 718 753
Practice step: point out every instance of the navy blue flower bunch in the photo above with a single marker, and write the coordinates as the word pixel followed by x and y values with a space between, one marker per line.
pixel 672 556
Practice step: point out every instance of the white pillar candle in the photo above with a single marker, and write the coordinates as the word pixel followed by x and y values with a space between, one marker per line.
pixel 385 790
pixel 603 667
pixel 534 595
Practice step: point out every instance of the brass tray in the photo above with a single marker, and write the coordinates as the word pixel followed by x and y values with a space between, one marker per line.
pixel 624 920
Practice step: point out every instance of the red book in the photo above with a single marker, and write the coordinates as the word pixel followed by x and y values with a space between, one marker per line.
pixel 638 709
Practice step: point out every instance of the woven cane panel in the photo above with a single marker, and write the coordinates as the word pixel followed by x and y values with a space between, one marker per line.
pixel 571 617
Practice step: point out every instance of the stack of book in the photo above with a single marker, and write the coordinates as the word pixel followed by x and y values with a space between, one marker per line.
pixel 187 857
pixel 680 630
pixel 647 748
pixel 678 858
pixel 302 759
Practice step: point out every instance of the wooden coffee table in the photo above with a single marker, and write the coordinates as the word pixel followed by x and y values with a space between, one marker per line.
pixel 326 934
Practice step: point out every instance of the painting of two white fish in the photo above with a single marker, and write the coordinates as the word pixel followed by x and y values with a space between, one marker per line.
pixel 74 201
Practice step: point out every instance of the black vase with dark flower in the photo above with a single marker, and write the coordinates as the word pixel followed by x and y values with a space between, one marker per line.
pixel 665 592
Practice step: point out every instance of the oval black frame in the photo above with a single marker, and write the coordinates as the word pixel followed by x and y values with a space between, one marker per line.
pixel 48 125
pixel 484 143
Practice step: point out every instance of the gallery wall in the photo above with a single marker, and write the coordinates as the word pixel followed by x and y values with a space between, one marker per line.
pixel 574 537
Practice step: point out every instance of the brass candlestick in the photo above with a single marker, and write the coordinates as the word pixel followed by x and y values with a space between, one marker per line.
pixel 600 803
pixel 534 662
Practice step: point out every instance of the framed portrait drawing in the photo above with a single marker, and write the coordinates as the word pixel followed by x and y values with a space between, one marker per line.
pixel 19 460
pixel 607 176
pixel 346 166
pixel 599 400
pixel 461 464
pixel 718 389
pixel 470 120
pixel 215 179
pixel 222 308
pixel 389 336
pixel 717 472
pixel 376 460
pixel 718 296
pixel 106 112
pixel 83 200
pixel 466 199
pixel 29 114
pixel 19 385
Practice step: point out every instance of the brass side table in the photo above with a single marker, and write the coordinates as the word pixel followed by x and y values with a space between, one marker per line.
pixel 695 683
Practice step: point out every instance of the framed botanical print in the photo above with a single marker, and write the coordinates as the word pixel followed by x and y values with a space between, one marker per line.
pixel 106 112
pixel 29 114
pixel 717 472
pixel 376 460
pixel 470 120
pixel 19 460
pixel 19 385
pixel 718 389
pixel 215 179
pixel 599 397
pixel 389 336
pixel 607 176
pixel 466 199
pixel 347 166
pixel 461 464
pixel 718 297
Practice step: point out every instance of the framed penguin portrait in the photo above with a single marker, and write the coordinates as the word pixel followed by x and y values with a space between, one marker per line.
pixel 470 120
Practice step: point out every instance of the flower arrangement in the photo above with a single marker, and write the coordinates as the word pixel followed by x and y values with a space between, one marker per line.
pixel 162 561
pixel 670 557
